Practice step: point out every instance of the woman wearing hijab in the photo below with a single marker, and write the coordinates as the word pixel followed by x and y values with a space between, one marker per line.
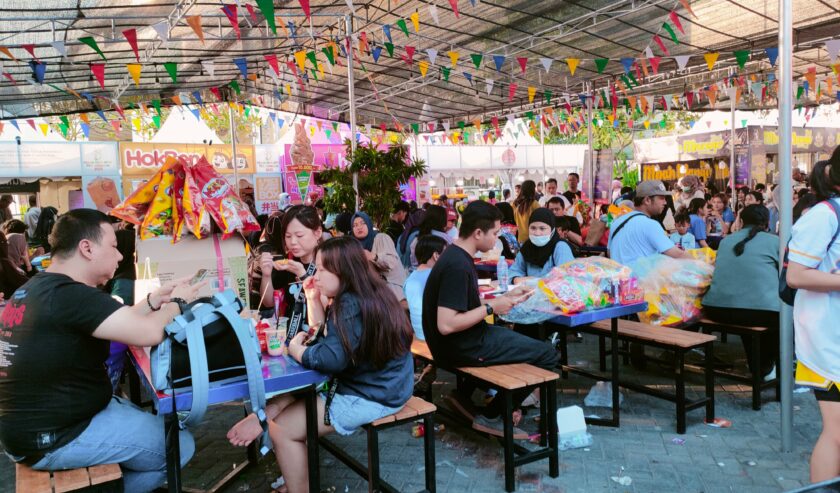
pixel 380 250
pixel 688 189
pixel 542 251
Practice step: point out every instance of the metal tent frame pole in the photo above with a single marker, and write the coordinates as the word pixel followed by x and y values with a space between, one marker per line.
pixel 785 212
pixel 351 96
pixel 233 148
pixel 542 144
pixel 732 181
pixel 590 187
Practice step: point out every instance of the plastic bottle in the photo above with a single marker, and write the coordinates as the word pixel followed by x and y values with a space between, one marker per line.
pixel 502 274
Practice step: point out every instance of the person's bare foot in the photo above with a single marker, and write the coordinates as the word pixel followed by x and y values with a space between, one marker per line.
pixel 245 431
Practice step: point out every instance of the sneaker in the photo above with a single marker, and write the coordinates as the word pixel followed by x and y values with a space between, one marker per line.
pixel 770 376
pixel 495 427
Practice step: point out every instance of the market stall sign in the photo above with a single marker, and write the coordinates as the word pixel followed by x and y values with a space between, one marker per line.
pixel 139 159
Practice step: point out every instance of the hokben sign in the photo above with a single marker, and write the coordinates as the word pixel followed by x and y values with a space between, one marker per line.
pixel 143 159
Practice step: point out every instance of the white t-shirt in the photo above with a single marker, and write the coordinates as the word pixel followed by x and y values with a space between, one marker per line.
pixel 815 314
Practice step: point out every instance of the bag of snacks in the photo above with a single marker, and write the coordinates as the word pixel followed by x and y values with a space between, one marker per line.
pixel 220 200
pixel 673 288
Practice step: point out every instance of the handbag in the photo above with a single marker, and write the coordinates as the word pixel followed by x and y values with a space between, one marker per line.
pixel 199 348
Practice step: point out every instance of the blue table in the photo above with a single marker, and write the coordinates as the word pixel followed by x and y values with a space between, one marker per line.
pixel 613 313
pixel 280 374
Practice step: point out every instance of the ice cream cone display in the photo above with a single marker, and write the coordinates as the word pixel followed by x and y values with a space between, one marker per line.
pixel 301 151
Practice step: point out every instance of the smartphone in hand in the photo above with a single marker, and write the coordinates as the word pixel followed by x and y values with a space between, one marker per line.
pixel 198 277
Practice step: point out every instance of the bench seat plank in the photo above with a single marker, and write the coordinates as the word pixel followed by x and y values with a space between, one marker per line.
pixel 31 481
pixel 104 473
pixel 72 480
pixel 414 407
pixel 705 322
pixel 662 335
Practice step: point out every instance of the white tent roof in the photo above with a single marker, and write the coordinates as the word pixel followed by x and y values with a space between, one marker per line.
pixel 182 127
pixel 28 134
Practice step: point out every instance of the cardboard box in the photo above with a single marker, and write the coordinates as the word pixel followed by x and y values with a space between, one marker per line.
pixel 168 261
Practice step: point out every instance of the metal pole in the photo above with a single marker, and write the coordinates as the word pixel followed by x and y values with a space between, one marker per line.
pixel 734 199
pixel 233 150
pixel 351 96
pixel 542 144
pixel 785 212
pixel 591 185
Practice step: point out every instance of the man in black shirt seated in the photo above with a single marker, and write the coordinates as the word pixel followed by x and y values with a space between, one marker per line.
pixel 57 410
pixel 453 315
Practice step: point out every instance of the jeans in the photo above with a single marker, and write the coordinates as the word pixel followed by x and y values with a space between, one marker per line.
pixel 500 346
pixel 121 434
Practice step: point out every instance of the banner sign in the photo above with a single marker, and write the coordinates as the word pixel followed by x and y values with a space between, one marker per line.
pixel 140 158
pixel 100 158
pixel 267 191
pixel 717 169
pixel 267 158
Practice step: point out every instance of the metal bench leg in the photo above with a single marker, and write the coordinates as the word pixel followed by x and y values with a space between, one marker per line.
pixel 564 353
pixel 680 377
pixel 625 353
pixel 778 385
pixel 173 452
pixel 507 419
pixel 373 459
pixel 710 382
pixel 429 451
pixel 551 417
pixel 602 353
pixel 755 358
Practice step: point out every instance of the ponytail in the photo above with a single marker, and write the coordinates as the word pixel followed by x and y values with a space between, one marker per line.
pixel 739 248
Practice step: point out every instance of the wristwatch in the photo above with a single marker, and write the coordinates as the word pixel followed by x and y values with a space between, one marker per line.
pixel 489 308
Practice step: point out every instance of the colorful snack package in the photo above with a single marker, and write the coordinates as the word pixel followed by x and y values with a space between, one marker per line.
pixel 220 200
pixel 133 209
pixel 161 216
pixel 195 219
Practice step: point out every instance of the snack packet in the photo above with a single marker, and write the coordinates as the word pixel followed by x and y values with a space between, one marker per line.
pixel 219 200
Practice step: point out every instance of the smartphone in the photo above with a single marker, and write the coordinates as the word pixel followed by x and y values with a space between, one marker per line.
pixel 198 277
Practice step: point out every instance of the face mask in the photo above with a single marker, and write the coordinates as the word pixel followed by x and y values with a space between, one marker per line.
pixel 686 189
pixel 539 240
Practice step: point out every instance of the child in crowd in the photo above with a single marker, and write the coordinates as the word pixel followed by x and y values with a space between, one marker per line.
pixel 429 248
pixel 698 209
pixel 682 238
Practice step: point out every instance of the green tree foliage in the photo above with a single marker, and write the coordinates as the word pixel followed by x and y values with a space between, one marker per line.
pixel 380 175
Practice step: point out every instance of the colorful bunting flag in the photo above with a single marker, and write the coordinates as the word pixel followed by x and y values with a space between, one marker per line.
pixel 162 30
pixel 172 70
pixel 546 63
pixel 741 56
pixel 658 41
pixel 711 58
pixel 476 59
pixel 60 48
pixel 5 51
pixel 134 70
pixel 376 52
pixel 415 21
pixel 194 22
pixel 432 53
pixel 390 48
pixel 209 66
pixel 433 12
pixel 445 72
pixel 654 63
pixel 330 54
pixel 85 129
pixel 676 20
pixel 523 62
pixel 687 7
pixel 235 86
pixel 772 54
pixel 453 57
pixel 98 70
pixel 39 69
pixel 499 60
pixel 573 64
pixel 511 91
pixel 88 40
pixel 667 27
pixel 682 61
pixel 232 15
pixel 627 63
pixel 131 37
pixel 488 85
pixel 423 65
pixel 601 64
pixel 403 26
pixel 304 4
pixel 409 54
pixel 454 5
pixel 532 91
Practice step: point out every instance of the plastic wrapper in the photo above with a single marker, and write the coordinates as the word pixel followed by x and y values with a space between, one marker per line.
pixel 220 200
pixel 161 214
pixel 133 209
pixel 593 269
pixel 673 288
pixel 706 255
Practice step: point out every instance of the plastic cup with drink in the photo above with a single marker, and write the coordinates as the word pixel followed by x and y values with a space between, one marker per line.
pixel 276 338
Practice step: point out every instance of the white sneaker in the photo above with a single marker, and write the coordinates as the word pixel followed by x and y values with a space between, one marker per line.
pixel 770 376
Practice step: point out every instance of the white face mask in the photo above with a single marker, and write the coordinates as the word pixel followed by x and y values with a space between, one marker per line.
pixel 539 240
pixel 686 189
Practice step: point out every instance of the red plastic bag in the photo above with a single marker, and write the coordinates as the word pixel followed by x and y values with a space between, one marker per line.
pixel 219 201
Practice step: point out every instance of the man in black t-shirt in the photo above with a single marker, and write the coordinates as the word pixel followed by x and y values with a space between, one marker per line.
pixel 57 410
pixel 453 314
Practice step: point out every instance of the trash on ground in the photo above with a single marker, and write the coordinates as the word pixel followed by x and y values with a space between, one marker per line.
pixel 719 423
pixel 571 429
pixel 622 480
pixel 751 463
pixel 678 441
pixel 600 395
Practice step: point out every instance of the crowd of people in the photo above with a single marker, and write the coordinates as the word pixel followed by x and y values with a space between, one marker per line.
pixel 375 287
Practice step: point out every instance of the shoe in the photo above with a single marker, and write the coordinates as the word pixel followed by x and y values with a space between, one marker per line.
pixel 532 400
pixel 770 376
pixel 458 403
pixel 495 427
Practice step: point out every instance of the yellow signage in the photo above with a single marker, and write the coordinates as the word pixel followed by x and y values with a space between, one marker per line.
pixel 674 171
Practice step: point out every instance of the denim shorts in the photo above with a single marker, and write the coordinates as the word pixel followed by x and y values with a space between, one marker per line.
pixel 348 413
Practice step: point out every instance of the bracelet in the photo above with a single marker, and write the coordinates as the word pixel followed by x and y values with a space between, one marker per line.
pixel 149 302
pixel 182 303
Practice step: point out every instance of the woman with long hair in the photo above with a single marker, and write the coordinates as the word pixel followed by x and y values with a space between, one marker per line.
pixel 813 261
pixel 365 350
pixel 15 231
pixel 747 263
pixel 270 241
pixel 523 207
pixel 380 250
pixel 300 230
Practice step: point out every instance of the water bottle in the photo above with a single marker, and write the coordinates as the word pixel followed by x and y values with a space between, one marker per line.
pixel 502 274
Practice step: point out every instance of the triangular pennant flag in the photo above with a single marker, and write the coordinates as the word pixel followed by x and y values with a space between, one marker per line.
pixel 5 51
pixel 272 62
pixel 432 53
pixel 98 70
pixel 85 129
pixel 162 30
pixel 671 33
pixel 409 54
pixel 330 54
pixel 433 11
pixel 453 57
pixel 389 47
pixel 156 121
pixel 523 62
pixel 30 48
pixel 499 60
pixel 31 123
pixel 654 63
pixel 423 65
pixel 311 56
pixel 546 63
pixel 117 126
pixel 386 29
pixel 454 5
pixel 573 64
pixel 741 56
pixel 59 47
pixel 446 125
pixel 687 7
pixel 131 37
pixel 445 72
pixel 601 64
pixel 711 58
pixel 832 46
pixel 209 66
pixel 811 76
pixel 134 70
pixel 488 86
pixel 627 63
pixel 415 21
pixel 137 125
pixel 300 57
pixel 88 40
pixel 676 20
pixel 403 26
pixel 476 59
pixel 172 70
pixel 547 96
pixel 267 9
pixel 532 91
pixel 235 86
pixel 38 70
pixel 658 41
pixel 376 52
pixel 156 104
pixel 194 22
pixel 682 61
pixel 45 127
pixel 304 4
pixel 233 16
pixel 511 91
pixel 772 54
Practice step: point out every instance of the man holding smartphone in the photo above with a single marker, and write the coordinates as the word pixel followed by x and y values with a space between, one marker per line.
pixel 454 316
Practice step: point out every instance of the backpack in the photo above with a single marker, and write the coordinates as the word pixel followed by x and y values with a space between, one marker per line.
pixel 197 350
pixel 787 293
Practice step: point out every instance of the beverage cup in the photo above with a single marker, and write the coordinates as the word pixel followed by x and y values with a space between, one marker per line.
pixel 276 341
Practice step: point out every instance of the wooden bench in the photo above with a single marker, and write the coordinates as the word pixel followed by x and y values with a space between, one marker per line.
pixel 754 379
pixel 506 379
pixel 676 340
pixel 106 477
pixel 416 408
